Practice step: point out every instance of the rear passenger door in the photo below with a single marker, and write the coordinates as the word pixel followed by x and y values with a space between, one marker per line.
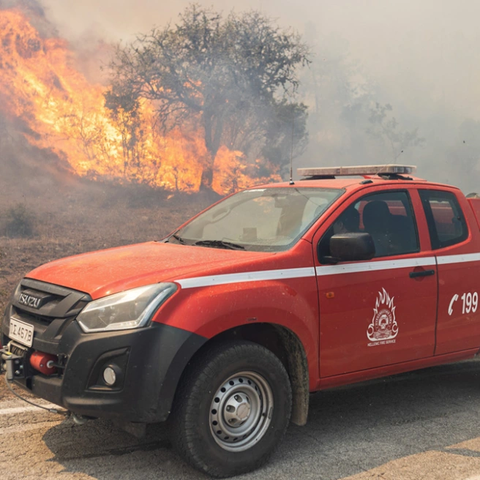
pixel 382 311
pixel 458 325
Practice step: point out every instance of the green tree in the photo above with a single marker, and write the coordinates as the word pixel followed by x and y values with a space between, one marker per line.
pixel 234 76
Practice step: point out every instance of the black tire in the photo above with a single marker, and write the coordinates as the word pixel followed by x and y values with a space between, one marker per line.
pixel 244 378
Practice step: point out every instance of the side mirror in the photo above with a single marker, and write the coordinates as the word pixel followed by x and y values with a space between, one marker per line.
pixel 348 247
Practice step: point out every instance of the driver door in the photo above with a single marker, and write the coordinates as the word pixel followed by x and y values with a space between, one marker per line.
pixel 382 311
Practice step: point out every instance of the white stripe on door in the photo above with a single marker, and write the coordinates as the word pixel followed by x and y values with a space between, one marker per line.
pixel 358 267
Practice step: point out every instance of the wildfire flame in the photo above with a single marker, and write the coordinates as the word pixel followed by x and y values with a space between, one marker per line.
pixel 66 114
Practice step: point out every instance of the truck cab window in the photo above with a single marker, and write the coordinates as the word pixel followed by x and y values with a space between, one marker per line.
pixel 387 217
pixel 446 222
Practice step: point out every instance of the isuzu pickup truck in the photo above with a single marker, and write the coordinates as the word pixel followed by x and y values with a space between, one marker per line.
pixel 223 328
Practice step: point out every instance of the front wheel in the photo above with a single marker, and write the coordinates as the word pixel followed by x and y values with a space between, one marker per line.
pixel 231 409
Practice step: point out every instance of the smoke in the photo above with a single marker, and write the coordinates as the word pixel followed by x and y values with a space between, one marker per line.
pixel 35 13
pixel 418 51
pixel 419 57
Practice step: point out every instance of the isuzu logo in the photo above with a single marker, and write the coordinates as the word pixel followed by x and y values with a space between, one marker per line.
pixel 29 300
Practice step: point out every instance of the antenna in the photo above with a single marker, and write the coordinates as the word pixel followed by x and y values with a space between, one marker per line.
pixel 291 182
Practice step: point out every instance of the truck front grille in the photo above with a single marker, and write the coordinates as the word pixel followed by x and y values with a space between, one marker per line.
pixel 41 303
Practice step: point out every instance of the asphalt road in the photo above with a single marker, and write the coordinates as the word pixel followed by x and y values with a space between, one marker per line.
pixel 422 425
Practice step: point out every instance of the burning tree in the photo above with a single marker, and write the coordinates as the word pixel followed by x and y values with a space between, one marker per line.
pixel 234 76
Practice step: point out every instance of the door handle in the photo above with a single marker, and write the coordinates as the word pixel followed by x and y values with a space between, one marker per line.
pixel 423 273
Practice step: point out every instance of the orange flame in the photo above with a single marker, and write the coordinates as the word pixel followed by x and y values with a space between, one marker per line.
pixel 67 114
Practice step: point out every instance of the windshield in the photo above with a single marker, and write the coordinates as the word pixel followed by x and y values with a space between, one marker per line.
pixel 266 219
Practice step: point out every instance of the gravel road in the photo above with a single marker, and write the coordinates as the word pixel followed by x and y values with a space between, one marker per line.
pixel 422 425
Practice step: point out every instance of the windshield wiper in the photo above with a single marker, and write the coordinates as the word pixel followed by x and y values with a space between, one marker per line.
pixel 219 244
pixel 176 237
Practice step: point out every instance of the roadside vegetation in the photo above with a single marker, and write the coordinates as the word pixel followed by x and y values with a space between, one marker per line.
pixel 18 221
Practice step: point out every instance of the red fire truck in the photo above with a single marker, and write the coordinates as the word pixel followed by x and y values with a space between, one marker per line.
pixel 223 328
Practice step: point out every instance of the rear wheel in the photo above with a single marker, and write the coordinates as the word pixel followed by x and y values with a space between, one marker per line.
pixel 231 409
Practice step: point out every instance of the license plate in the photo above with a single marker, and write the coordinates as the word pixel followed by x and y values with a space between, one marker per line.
pixel 21 332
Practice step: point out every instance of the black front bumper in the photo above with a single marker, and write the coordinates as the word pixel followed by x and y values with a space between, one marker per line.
pixel 148 361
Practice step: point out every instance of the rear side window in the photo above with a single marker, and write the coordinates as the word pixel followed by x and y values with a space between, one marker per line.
pixel 445 218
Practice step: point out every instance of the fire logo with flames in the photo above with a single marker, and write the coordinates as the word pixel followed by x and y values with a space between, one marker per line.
pixel 384 327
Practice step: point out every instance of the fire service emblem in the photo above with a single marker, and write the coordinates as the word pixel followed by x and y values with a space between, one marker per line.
pixel 383 328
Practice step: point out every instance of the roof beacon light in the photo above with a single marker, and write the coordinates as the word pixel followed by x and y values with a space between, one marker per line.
pixel 356 170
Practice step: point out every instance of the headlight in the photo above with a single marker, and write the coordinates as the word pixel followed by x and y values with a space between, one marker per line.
pixel 121 311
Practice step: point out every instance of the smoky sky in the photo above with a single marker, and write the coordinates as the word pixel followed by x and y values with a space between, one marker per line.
pixel 419 51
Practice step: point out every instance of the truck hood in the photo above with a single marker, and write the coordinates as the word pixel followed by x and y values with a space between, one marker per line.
pixel 110 271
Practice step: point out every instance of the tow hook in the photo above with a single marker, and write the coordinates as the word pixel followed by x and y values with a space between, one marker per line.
pixel 10 363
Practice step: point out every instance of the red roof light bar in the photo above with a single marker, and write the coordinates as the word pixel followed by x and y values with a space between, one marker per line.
pixel 356 170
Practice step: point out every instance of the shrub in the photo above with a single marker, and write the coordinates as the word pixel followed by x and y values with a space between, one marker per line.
pixel 19 221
